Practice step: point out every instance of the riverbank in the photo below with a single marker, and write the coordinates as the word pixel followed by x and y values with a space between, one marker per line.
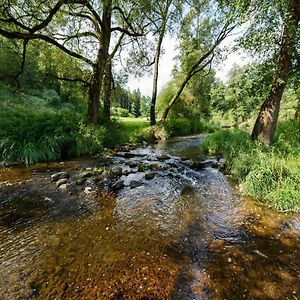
pixel 270 175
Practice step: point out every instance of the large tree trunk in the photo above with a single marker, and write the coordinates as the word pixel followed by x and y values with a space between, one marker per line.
pixel 94 95
pixel 100 65
pixel 155 74
pixel 266 121
pixel 107 92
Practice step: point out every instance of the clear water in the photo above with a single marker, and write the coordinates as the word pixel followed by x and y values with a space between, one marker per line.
pixel 182 235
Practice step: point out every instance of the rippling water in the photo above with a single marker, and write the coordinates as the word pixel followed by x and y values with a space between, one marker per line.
pixel 183 235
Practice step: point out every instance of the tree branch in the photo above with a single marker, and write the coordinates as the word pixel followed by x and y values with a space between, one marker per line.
pixel 28 36
pixel 86 83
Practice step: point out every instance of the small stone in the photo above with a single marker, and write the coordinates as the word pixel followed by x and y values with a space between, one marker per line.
pixel 229 260
pixel 80 181
pixel 63 186
pixel 163 157
pixel 118 185
pixel 149 176
pixel 128 155
pixel 116 171
pixel 88 190
pixel 142 168
pixel 86 174
pixel 59 175
pixel 134 184
pixel 125 172
pixel 61 181
pixel 133 164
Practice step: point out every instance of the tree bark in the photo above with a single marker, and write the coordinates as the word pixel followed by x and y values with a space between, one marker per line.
pixel 100 65
pixel 107 92
pixel 266 121
pixel 155 74
pixel 94 94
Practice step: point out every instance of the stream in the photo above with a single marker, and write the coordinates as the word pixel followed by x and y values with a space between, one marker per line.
pixel 182 233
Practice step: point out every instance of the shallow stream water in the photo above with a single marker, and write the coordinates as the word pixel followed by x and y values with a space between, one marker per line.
pixel 185 234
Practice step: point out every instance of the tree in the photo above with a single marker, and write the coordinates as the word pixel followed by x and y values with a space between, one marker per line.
pixel 266 121
pixel 80 28
pixel 163 13
pixel 213 31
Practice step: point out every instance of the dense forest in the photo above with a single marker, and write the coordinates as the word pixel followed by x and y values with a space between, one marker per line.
pixel 65 66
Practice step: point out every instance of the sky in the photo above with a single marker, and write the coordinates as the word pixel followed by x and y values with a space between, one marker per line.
pixel 167 64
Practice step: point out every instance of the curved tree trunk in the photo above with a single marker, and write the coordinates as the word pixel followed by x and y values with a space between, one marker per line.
pixel 266 121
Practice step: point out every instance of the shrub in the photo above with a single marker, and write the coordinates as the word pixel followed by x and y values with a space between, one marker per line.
pixel 271 175
pixel 89 139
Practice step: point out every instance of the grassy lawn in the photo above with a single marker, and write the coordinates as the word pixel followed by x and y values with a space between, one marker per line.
pixel 134 129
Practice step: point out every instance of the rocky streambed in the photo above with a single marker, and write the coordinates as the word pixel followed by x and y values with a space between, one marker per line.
pixel 153 222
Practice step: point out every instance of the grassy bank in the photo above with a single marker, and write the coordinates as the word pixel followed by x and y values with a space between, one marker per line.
pixel 41 127
pixel 270 175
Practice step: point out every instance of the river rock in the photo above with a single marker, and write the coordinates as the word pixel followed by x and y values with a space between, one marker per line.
pixel 118 185
pixel 149 176
pixel 163 157
pixel 60 175
pixel 86 174
pixel 134 184
pixel 133 164
pixel 125 173
pixel 61 182
pixel 128 155
pixel 80 181
pixel 88 190
pixel 63 186
pixel 142 167
pixel 116 171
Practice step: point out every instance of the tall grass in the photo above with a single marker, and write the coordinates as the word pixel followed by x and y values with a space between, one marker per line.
pixel 271 175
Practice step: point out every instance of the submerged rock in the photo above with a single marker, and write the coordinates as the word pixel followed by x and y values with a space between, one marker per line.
pixel 149 176
pixel 86 174
pixel 142 167
pixel 60 175
pixel 116 171
pixel 80 181
pixel 163 157
pixel 134 184
pixel 118 185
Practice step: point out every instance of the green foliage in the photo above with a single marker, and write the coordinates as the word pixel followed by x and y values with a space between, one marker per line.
pixel 271 175
pixel 184 126
pixel 90 138
pixel 120 112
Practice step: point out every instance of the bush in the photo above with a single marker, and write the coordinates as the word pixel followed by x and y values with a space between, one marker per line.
pixel 184 126
pixel 271 175
pixel 89 139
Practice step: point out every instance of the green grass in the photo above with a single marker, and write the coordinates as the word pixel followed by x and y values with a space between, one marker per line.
pixel 271 175
pixel 184 126
pixel 134 130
